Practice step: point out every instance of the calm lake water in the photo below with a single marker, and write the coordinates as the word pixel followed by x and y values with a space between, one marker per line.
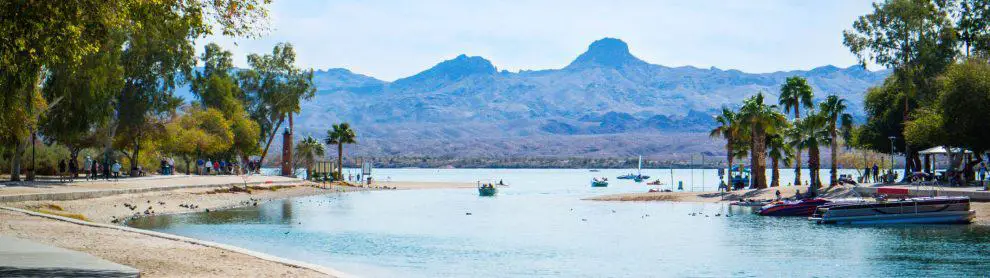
pixel 539 226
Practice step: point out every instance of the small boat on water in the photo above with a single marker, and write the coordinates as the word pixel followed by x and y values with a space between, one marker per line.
pixel 599 183
pixel 638 177
pixel 487 189
pixel 805 207
pixel 923 210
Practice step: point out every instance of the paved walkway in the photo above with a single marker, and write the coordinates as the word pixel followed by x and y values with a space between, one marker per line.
pixel 81 189
pixel 24 258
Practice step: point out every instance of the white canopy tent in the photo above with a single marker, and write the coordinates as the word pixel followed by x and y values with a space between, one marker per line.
pixel 942 150
pixel 929 155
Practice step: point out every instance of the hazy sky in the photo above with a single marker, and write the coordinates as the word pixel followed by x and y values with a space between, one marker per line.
pixel 394 39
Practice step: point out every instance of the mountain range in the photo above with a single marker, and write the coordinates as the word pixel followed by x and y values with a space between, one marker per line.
pixel 605 95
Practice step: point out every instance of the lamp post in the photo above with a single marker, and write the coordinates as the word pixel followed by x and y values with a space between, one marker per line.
pixel 890 177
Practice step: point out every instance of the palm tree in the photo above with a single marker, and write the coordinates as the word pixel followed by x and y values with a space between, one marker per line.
pixel 759 119
pixel 793 94
pixel 728 129
pixel 810 133
pixel 837 121
pixel 339 135
pixel 778 151
pixel 309 150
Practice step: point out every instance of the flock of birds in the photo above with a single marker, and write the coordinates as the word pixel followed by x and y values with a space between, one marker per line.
pixel 148 211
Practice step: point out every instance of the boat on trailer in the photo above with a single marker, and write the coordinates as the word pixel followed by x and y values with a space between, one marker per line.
pixel 921 210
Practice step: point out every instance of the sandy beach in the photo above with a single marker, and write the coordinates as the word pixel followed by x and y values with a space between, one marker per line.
pixel 160 257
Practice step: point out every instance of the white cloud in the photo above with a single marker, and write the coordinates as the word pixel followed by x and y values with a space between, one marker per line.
pixel 393 39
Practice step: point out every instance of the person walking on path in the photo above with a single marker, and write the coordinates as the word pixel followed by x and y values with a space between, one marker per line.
pixel 116 170
pixel 208 165
pixel 106 170
pixel 94 168
pixel 87 166
pixel 73 169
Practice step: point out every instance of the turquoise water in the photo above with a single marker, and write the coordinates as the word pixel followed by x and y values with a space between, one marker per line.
pixel 538 226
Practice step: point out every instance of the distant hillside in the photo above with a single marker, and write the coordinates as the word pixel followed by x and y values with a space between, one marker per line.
pixel 606 92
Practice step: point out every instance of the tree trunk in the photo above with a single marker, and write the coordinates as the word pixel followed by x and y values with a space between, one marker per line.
pixel 757 158
pixel 15 161
pixel 340 160
pixel 729 159
pixel 797 155
pixel 834 174
pixel 814 166
pixel 271 136
pixel 774 182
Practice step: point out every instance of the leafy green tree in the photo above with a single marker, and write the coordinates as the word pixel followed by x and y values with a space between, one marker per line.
pixel 915 38
pixel 309 150
pixel 36 36
pixel 216 87
pixel 794 94
pixel 84 91
pixel 198 132
pixel 810 133
pixel 728 128
pixel 973 25
pixel 760 119
pixel 339 135
pixel 159 52
pixel 959 117
pixel 838 122
pixel 274 89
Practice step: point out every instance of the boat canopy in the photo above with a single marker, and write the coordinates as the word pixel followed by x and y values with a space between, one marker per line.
pixel 941 150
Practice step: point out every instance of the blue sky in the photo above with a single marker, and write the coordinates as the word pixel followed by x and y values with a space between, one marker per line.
pixel 394 39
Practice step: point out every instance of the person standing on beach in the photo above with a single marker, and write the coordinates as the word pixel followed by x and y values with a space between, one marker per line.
pixel 866 175
pixel 208 165
pixel 199 166
pixel 116 170
pixel 171 166
pixel 876 173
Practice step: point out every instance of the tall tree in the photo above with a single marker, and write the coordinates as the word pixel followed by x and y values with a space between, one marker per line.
pixel 794 94
pixel 159 53
pixel 838 122
pixel 85 91
pixel 810 133
pixel 728 129
pixel 339 135
pixel 274 88
pixel 759 119
pixel 916 38
pixel 216 87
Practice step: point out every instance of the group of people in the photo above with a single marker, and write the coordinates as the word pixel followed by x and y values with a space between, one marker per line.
pixel 874 175
pixel 219 167
pixel 94 169
pixel 167 166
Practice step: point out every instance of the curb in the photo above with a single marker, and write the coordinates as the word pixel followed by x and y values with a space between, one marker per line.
pixel 259 255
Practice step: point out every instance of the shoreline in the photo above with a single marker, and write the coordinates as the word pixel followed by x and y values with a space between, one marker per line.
pixel 837 192
pixel 158 256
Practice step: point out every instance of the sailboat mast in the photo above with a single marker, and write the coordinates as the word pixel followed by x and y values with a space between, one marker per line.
pixel 639 167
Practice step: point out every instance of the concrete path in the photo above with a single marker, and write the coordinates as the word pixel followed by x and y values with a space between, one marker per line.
pixel 24 258
pixel 92 189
